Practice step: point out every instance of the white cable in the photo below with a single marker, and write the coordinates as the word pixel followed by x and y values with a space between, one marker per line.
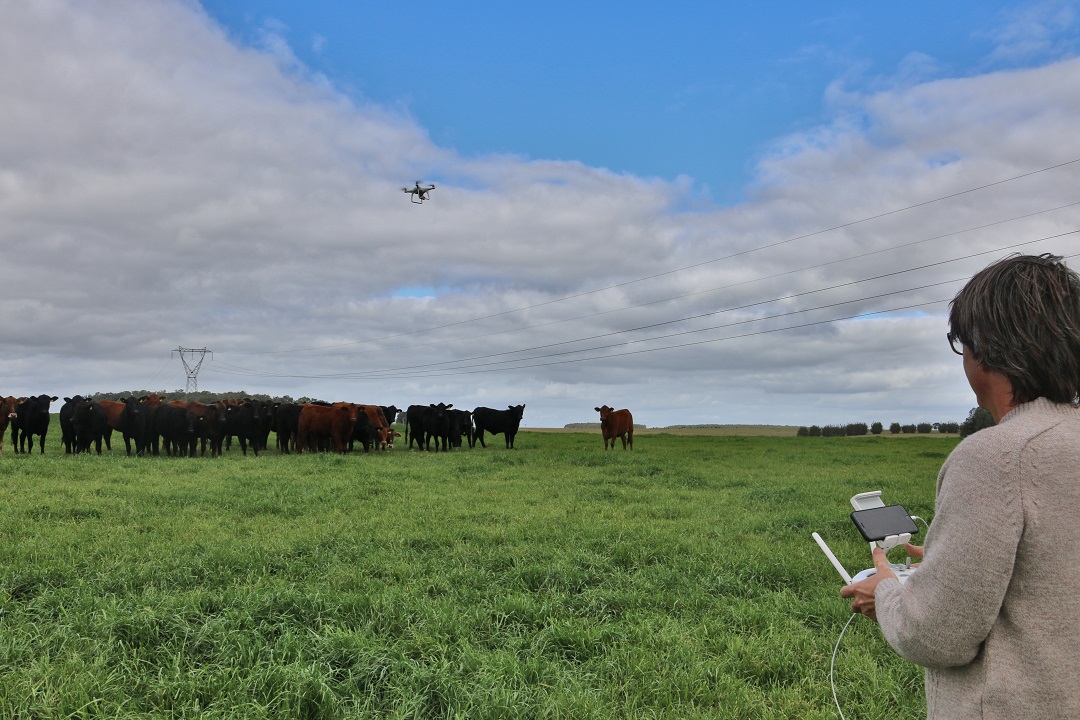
pixel 832 664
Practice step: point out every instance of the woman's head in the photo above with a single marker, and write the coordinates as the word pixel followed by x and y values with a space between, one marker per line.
pixel 1021 317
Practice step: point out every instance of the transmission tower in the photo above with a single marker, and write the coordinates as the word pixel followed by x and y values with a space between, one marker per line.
pixel 191 364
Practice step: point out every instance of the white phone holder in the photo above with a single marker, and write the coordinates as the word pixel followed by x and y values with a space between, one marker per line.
pixel 867 500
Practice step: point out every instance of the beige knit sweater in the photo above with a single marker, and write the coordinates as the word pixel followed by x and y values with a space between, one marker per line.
pixel 994 612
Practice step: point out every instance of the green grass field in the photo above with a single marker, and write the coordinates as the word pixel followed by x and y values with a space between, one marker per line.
pixel 551 581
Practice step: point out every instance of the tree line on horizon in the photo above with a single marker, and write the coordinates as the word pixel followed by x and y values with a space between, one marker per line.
pixel 977 419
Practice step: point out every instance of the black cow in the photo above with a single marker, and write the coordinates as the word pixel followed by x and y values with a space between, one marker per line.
pixel 498 421
pixel 390 412
pixel 426 422
pixel 31 418
pixel 91 427
pixel 286 425
pixel 67 425
pixel 364 432
pixel 461 424
pixel 242 421
pixel 146 432
pixel 178 431
pixel 133 425
pixel 209 423
pixel 267 412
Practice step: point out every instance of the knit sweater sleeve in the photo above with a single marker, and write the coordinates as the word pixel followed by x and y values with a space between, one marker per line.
pixel 942 615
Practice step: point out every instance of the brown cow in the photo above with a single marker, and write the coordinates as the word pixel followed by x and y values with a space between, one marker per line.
pixel 335 422
pixel 381 426
pixel 113 415
pixel 616 424
pixel 7 414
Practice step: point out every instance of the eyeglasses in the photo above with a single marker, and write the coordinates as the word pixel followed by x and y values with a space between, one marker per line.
pixel 955 343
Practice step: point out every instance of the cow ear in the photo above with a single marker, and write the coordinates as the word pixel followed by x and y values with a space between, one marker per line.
pixel 447 407
pixel 596 409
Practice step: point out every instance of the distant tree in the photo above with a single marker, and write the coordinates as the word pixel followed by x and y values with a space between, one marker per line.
pixel 803 432
pixel 977 419
pixel 815 431
pixel 949 427
pixel 876 428
pixel 895 428
pixel 854 429
pixel 908 429
pixel 924 428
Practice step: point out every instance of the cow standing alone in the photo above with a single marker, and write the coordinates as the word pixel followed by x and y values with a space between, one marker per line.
pixel 498 421
pixel 616 424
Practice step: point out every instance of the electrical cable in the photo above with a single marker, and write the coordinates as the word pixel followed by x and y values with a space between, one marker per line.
pixel 705 262
pixel 396 372
pixel 744 307
pixel 832 664
pixel 367 375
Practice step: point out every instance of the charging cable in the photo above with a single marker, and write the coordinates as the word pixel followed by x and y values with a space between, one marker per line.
pixel 832 664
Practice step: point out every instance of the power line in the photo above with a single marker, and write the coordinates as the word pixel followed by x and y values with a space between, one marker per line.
pixel 396 372
pixel 685 295
pixel 688 267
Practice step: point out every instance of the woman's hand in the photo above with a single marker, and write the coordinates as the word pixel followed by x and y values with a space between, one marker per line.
pixel 861 593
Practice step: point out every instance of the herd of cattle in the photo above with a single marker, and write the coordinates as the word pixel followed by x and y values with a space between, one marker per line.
pixel 149 425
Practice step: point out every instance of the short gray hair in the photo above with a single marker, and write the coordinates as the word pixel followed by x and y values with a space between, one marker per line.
pixel 1021 317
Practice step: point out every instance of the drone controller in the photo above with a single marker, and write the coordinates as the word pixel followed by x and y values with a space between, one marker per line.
pixel 884 526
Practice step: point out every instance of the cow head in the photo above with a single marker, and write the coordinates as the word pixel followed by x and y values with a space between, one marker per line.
pixel 605 412
pixel 131 405
pixel 152 400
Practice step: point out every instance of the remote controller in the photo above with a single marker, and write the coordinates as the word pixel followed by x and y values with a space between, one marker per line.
pixel 871 501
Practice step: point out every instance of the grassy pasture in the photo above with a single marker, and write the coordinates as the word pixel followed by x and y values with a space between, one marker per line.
pixel 550 581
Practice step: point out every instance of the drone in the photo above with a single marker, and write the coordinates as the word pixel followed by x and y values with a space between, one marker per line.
pixel 419 194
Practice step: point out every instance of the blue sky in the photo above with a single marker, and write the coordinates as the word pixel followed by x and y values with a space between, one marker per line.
pixel 706 214
pixel 701 89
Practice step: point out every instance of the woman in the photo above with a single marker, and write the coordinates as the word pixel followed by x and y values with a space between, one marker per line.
pixel 993 613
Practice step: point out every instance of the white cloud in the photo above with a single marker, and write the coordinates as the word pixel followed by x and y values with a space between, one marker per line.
pixel 1035 32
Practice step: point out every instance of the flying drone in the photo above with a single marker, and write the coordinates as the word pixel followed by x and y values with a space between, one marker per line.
pixel 419 193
